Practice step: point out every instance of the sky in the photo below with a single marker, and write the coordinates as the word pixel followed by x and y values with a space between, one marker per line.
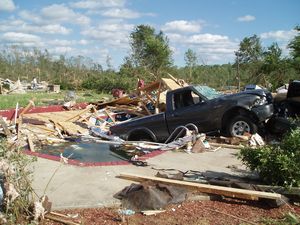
pixel 100 29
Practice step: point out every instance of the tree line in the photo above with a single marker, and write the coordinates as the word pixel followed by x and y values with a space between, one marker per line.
pixel 151 58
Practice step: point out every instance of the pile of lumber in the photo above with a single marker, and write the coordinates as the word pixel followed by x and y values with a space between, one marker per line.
pixel 45 128
pixel 136 102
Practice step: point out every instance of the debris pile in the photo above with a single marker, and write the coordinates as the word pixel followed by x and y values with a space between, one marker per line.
pixel 92 124
pixel 8 86
pixel 155 193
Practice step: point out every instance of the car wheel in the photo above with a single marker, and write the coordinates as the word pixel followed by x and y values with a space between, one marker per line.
pixel 240 125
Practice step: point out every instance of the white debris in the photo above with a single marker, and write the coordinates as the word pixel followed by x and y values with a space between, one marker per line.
pixel 63 159
pixel 256 140
pixel 6 168
pixel 2 219
pixel 39 210
pixel 12 193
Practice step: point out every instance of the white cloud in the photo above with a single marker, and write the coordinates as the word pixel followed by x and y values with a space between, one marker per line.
pixel 20 38
pixel 8 25
pixel 83 42
pixel 61 42
pixel 183 26
pixel 246 18
pixel 7 5
pixel 121 13
pixel 54 29
pixel 61 50
pixel 279 35
pixel 112 33
pixel 206 39
pixel 96 4
pixel 61 13
pixel 31 16
pixel 24 27
pixel 65 42
pixel 211 48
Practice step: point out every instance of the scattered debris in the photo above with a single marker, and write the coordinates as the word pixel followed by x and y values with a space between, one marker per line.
pixel 152 212
pixel 140 197
pixel 205 188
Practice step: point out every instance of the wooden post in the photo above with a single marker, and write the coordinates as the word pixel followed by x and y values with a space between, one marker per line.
pixel 107 113
pixel 30 143
pixel 26 109
pixel 158 98
pixel 145 107
pixel 16 113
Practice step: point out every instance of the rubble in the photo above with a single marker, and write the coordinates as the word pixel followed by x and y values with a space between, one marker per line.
pixel 8 86
pixel 33 130
pixel 93 122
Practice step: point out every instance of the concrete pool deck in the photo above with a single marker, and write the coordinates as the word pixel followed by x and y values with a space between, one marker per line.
pixel 78 187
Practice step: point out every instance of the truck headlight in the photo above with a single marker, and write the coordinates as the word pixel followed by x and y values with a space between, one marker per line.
pixel 260 101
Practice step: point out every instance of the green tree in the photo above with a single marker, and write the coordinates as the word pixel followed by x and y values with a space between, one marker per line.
pixel 150 50
pixel 294 45
pixel 190 58
pixel 273 66
pixel 249 61
pixel 250 49
pixel 272 56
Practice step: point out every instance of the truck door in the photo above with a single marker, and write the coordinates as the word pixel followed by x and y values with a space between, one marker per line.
pixel 189 107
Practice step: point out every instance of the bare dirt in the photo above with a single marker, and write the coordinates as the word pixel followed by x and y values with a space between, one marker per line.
pixel 226 211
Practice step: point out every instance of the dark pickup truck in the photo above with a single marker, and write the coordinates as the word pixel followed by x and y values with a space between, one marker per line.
pixel 209 110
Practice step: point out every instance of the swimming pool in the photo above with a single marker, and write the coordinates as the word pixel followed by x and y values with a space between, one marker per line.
pixel 84 153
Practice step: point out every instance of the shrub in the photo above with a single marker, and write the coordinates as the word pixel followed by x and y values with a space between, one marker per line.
pixel 276 164
pixel 15 179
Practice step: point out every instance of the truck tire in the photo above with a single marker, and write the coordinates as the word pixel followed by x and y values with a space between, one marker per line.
pixel 240 125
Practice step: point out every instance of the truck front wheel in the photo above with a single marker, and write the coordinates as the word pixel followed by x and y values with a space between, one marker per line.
pixel 240 125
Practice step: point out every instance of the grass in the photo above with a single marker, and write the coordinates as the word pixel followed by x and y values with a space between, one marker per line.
pixel 44 98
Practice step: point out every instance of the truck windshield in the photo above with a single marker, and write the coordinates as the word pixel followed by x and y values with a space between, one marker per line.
pixel 208 92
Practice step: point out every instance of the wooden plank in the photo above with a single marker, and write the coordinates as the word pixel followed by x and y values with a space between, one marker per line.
pixel 145 107
pixel 170 84
pixel 225 145
pixel 16 113
pixel 158 98
pixel 30 143
pixel 129 111
pixel 61 220
pixel 149 98
pixel 26 109
pixel 180 82
pixel 108 114
pixel 72 129
pixel 4 126
pixel 206 188
pixel 19 126
pixel 88 108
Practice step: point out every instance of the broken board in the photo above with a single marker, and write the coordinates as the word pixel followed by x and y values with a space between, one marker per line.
pixel 206 188
pixel 72 129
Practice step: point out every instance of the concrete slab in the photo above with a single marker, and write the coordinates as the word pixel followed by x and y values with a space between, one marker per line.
pixel 73 186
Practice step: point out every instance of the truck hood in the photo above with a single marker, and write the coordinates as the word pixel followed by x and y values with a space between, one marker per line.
pixel 258 92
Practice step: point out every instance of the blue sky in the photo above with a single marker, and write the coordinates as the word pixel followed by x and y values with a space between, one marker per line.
pixel 100 28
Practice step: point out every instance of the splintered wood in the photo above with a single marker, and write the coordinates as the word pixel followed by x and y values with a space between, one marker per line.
pixel 34 129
